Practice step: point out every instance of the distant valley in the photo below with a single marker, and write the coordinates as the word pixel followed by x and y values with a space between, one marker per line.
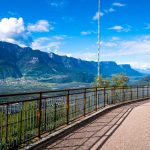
pixel 18 62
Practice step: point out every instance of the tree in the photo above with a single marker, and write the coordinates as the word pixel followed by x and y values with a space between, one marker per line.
pixel 107 82
pixel 101 82
pixel 120 79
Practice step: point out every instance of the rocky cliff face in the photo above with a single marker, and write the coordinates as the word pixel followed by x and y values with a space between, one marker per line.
pixel 17 62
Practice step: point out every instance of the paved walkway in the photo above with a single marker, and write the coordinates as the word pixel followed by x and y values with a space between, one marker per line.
pixel 125 128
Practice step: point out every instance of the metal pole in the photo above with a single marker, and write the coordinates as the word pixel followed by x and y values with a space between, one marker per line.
pixel 104 96
pixel 123 94
pixel 67 107
pixel 143 92
pixel 137 92
pixel 131 94
pixel 39 115
pixel 114 95
pixel 95 99
pixel 20 127
pixel 6 136
pixel 84 102
pixel 147 91
pixel 98 71
pixel 55 115
pixel 45 115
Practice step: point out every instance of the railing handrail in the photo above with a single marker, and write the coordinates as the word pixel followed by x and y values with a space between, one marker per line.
pixel 59 91
pixel 63 90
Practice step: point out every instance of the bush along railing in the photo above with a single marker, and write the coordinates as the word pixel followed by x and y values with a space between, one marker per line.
pixel 28 116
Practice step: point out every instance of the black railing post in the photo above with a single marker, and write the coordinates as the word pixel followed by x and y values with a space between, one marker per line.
pixel 6 137
pixel 20 126
pixel 107 98
pixel 67 107
pixel 114 95
pixel 39 115
pixel 131 94
pixel 95 101
pixel 45 115
pixel 123 94
pixel 84 101
pixel 75 107
pixel 143 92
pixel 137 92
pixel 108 102
pixel 147 91
pixel 104 96
pixel 55 115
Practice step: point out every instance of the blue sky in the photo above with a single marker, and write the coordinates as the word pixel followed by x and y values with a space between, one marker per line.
pixel 69 27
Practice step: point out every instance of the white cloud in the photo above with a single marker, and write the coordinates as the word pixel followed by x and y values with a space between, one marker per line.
pixel 138 46
pixel 54 4
pixel 88 56
pixel 117 28
pixel 120 28
pixel 13 30
pixel 111 9
pixel 46 44
pixel 68 19
pixel 108 10
pixel 109 44
pixel 12 25
pixel 117 4
pixel 59 37
pixel 134 51
pixel 86 32
pixel 146 37
pixel 114 38
pixel 95 17
pixel 69 55
pixel 57 3
pixel 40 26
pixel 137 65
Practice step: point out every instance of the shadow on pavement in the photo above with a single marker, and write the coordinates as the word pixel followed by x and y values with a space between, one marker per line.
pixel 95 134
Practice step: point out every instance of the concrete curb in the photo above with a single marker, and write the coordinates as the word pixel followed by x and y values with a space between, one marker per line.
pixel 73 126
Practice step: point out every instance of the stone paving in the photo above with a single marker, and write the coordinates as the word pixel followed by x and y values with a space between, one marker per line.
pixel 124 128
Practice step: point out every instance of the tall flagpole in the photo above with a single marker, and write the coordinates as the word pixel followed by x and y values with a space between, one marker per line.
pixel 98 71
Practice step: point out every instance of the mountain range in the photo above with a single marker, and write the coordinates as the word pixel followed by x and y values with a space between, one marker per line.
pixel 17 62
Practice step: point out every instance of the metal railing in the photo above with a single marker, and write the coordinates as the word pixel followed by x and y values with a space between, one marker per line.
pixel 28 116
